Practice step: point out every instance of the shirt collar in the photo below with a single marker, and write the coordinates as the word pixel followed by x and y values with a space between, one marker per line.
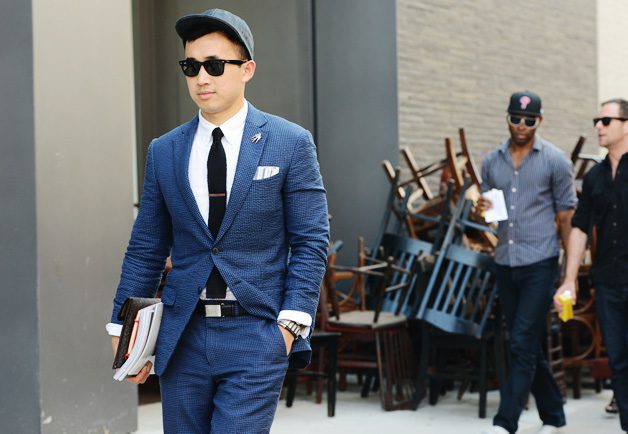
pixel 232 128
pixel 607 159
pixel 537 145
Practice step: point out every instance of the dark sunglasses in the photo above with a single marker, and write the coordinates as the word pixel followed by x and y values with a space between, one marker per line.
pixel 214 67
pixel 529 122
pixel 606 120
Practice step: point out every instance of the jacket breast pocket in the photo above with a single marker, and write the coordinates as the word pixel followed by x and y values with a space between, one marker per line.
pixel 265 195
pixel 267 184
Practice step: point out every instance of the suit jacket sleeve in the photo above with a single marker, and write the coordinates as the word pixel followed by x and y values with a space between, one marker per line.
pixel 307 228
pixel 149 245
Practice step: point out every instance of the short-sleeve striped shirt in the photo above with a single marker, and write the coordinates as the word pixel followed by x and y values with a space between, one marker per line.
pixel 540 187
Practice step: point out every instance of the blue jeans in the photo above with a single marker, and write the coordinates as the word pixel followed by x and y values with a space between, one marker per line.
pixel 525 295
pixel 612 313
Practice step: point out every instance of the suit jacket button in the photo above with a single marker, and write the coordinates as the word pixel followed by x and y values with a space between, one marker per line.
pixel 215 250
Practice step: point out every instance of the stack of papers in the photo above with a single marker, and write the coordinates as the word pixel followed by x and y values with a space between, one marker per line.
pixel 498 212
pixel 142 345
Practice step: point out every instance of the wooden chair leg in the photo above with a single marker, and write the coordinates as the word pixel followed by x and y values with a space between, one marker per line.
pixel 319 380
pixel 434 390
pixel 395 368
pixel 376 384
pixel 366 386
pixel 483 383
pixel 598 385
pixel 342 379
pixel 577 382
pixel 419 388
pixel 464 385
pixel 332 366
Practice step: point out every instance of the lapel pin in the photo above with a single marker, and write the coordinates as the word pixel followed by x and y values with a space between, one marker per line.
pixel 256 137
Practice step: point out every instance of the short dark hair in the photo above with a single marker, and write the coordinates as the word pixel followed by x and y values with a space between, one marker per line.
pixel 201 31
pixel 622 103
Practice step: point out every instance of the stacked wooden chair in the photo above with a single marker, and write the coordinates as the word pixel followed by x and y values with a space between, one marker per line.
pixel 458 311
pixel 581 161
pixel 416 211
pixel 374 341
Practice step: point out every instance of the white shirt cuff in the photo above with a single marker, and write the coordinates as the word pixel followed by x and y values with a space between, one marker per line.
pixel 114 329
pixel 300 318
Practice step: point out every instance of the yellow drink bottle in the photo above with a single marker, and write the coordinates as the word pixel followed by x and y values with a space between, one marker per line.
pixel 566 299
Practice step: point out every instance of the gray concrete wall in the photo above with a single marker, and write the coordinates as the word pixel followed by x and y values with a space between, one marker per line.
pixel 612 49
pixel 459 61
pixel 84 145
pixel 356 101
pixel 19 339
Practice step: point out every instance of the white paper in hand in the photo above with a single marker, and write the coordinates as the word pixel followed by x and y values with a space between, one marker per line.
pixel 498 212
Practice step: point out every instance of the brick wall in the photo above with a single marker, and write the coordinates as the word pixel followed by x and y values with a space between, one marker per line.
pixel 459 61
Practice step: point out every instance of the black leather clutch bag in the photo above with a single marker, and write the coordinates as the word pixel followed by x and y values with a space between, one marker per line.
pixel 127 314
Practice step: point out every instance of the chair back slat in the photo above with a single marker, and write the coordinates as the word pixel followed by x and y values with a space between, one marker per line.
pixel 407 254
pixel 577 149
pixel 483 287
pixel 440 295
pixel 458 302
pixel 470 166
pixel 476 291
pixel 418 174
pixel 452 285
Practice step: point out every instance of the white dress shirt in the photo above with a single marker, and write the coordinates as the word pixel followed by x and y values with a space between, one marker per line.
pixel 232 129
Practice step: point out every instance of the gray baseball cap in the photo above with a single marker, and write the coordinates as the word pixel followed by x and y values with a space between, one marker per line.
pixel 194 26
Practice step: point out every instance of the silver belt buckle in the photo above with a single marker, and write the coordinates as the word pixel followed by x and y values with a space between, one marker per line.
pixel 213 311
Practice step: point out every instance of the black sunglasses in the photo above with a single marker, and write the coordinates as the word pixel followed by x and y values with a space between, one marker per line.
pixel 529 122
pixel 606 120
pixel 214 67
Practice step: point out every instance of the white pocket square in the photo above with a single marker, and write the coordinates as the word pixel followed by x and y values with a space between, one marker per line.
pixel 264 172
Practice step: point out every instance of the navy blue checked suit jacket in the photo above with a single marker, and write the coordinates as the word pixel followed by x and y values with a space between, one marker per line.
pixel 265 221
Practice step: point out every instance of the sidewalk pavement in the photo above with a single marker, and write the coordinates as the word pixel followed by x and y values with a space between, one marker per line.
pixel 449 416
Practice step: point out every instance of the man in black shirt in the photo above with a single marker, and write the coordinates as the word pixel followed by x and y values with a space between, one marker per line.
pixel 603 205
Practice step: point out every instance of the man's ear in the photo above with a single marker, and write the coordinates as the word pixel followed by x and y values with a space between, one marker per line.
pixel 248 70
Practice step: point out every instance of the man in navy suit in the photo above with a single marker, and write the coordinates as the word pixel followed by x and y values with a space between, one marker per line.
pixel 235 198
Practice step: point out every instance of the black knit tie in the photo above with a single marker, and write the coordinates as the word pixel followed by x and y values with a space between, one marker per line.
pixel 217 186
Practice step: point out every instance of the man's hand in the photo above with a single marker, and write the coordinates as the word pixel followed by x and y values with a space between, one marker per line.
pixel 141 376
pixel 566 286
pixel 484 204
pixel 287 338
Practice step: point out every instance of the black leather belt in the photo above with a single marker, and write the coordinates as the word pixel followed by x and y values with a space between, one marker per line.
pixel 220 309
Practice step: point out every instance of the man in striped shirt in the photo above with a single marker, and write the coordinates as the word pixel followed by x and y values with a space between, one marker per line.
pixel 537 181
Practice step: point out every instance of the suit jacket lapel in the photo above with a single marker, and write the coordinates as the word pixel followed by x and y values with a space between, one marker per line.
pixel 251 147
pixel 181 149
